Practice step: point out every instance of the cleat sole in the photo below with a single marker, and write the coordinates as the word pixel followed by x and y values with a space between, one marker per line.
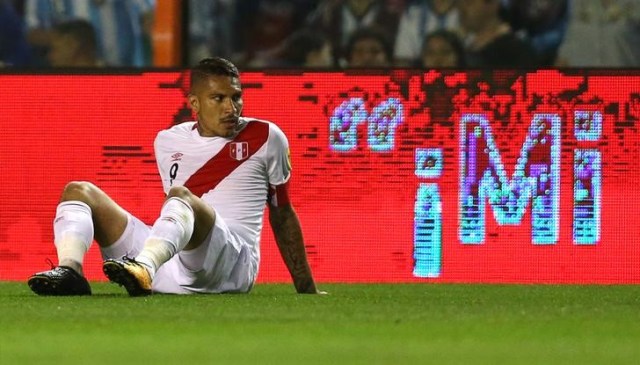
pixel 118 274
pixel 41 285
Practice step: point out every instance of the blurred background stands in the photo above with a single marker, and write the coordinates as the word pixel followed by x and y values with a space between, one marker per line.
pixel 274 33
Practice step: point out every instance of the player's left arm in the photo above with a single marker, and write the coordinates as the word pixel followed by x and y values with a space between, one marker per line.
pixel 283 218
pixel 288 234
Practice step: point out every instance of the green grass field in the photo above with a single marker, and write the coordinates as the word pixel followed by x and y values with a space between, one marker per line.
pixel 355 324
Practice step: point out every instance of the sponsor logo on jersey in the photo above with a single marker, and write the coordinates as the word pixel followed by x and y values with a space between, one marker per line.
pixel 239 150
pixel 177 156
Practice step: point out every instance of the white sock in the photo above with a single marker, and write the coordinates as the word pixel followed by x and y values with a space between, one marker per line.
pixel 169 235
pixel 72 230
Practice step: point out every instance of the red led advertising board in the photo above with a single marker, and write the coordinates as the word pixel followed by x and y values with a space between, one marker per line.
pixel 405 176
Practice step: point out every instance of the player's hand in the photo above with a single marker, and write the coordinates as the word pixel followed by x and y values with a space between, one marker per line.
pixel 311 290
pixel 317 292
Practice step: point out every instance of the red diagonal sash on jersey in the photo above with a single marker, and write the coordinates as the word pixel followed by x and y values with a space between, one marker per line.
pixel 254 135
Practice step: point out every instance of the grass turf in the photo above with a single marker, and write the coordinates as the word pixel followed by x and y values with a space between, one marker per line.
pixel 355 324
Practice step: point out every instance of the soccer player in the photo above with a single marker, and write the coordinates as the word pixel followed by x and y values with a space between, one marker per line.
pixel 217 172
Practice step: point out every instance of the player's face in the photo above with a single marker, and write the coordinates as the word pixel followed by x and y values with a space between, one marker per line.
pixel 217 101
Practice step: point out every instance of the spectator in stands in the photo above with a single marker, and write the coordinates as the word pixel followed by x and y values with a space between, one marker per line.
pixel 602 33
pixel 73 44
pixel 421 18
pixel 211 29
pixel 542 22
pixel 262 26
pixel 14 49
pixel 339 19
pixel 369 47
pixel 123 27
pixel 490 42
pixel 442 49
pixel 306 49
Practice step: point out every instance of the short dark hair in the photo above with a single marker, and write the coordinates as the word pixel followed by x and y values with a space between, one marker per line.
pixel 213 66
pixel 298 46
pixel 374 33
pixel 452 39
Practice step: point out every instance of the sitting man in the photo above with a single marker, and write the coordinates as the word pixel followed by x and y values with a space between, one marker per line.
pixel 217 172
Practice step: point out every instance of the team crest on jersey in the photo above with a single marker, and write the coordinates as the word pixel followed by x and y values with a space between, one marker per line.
pixel 239 150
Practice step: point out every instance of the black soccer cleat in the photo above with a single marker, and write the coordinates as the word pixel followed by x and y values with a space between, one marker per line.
pixel 59 281
pixel 128 273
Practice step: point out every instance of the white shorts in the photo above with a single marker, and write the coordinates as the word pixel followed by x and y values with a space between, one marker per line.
pixel 221 264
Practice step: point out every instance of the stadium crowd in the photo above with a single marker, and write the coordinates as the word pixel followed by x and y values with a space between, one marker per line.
pixel 328 33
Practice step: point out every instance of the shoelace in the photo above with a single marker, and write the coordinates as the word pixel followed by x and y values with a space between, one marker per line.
pixel 133 261
pixel 48 261
pixel 129 259
pixel 58 269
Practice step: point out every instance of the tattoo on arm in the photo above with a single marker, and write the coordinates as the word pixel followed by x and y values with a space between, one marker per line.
pixel 288 234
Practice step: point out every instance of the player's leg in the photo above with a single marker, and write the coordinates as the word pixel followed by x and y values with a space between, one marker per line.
pixel 184 223
pixel 223 263
pixel 85 212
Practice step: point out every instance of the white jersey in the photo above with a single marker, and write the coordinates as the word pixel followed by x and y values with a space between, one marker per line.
pixel 233 175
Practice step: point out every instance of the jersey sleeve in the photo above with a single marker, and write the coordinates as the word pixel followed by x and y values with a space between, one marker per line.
pixel 278 159
pixel 161 154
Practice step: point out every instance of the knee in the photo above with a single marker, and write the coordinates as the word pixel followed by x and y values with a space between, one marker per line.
pixel 202 211
pixel 78 190
pixel 180 192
